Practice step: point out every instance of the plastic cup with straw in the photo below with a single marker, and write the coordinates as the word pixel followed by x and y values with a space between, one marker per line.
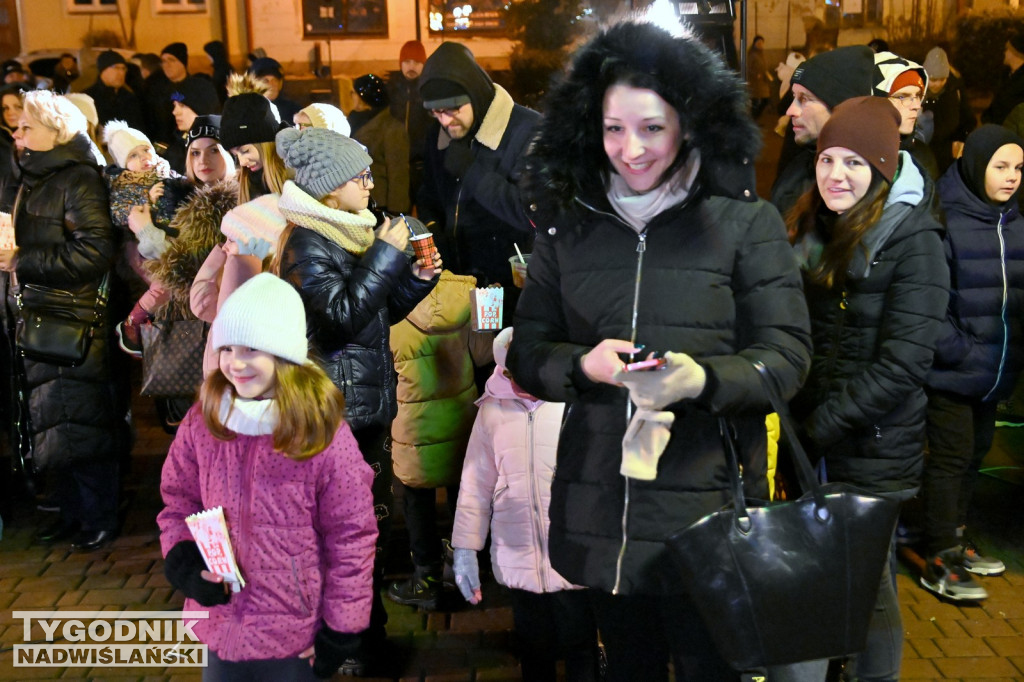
pixel 422 244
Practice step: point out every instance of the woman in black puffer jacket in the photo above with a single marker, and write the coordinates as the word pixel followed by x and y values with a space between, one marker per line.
pixel 350 267
pixel 65 241
pixel 877 286
pixel 649 233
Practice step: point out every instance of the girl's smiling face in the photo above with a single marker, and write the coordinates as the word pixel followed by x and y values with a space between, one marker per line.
pixel 843 176
pixel 642 135
pixel 248 156
pixel 252 372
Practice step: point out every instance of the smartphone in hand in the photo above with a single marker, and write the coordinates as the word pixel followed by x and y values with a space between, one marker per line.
pixel 646 365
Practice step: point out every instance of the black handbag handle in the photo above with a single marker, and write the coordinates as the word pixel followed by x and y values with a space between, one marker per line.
pixel 805 472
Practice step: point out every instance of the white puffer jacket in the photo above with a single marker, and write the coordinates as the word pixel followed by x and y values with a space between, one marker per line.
pixel 506 484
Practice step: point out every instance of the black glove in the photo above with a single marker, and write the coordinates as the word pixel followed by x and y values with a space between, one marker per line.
pixel 182 567
pixel 330 649
pixel 458 157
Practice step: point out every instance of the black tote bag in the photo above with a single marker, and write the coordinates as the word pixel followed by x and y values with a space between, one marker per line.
pixel 784 582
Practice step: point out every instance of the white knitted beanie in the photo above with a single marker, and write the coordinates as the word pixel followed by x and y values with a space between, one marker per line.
pixel 265 313
pixel 500 345
pixel 329 117
pixel 86 104
pixel 122 139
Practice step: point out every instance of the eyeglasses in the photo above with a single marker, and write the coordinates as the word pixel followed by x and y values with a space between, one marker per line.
pixel 449 112
pixel 907 99
pixel 365 178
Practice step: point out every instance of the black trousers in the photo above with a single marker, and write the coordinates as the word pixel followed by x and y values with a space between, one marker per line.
pixel 375 445
pixel 960 433
pixel 642 632
pixel 88 494
pixel 420 508
pixel 553 626
pixel 272 670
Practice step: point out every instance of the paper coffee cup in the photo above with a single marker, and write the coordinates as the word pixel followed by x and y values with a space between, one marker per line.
pixel 423 246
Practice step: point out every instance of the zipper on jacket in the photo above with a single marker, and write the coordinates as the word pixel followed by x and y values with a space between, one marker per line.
pixel 641 247
pixel 244 510
pixel 833 355
pixel 538 511
pixel 1002 311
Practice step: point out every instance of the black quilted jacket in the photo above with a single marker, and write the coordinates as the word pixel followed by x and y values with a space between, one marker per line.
pixel 351 303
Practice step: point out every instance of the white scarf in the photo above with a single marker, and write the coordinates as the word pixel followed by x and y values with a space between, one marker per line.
pixel 640 209
pixel 248 417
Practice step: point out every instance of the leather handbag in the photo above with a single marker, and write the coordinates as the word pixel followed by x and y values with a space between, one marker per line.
pixel 790 581
pixel 55 326
pixel 172 357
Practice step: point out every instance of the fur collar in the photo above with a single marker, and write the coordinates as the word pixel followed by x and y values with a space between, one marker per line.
pixel 198 223
pixel 495 122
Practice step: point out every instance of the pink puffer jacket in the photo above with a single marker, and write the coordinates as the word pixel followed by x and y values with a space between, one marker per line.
pixel 303 535
pixel 506 486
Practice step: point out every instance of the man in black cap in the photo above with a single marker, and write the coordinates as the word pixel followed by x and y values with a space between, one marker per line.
pixel 1011 92
pixel 819 85
pixel 269 71
pixel 471 201
pixel 114 100
pixel 189 98
pixel 470 197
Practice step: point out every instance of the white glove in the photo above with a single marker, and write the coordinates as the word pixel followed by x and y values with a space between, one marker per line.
pixel 646 437
pixel 467 574
pixel 656 389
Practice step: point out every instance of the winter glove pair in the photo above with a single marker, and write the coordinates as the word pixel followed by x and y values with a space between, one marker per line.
pixel 182 567
pixel 467 574
pixel 332 648
pixel 254 247
pixel 458 157
pixel 656 389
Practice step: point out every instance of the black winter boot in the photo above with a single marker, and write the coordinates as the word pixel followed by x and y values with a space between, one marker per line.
pixel 423 589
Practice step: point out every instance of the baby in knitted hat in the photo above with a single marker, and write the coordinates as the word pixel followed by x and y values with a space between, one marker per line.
pixel 139 177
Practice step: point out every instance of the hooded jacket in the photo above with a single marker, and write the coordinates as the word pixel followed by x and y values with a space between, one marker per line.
pixel 712 276
pixel 302 532
pixel 197 222
pixel 478 217
pixel 434 356
pixel 506 485
pixel 863 405
pixel 66 242
pixel 980 350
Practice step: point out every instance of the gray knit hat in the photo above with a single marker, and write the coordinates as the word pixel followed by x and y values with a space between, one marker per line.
pixel 322 159
pixel 265 313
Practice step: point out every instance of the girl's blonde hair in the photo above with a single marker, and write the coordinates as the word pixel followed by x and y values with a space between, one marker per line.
pixel 310 408
pixel 56 112
pixel 848 231
pixel 274 173
pixel 229 161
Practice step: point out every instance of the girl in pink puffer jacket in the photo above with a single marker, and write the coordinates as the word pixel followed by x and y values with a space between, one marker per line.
pixel 506 489
pixel 268 443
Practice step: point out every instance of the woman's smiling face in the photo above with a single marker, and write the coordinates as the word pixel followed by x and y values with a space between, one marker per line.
pixel 642 135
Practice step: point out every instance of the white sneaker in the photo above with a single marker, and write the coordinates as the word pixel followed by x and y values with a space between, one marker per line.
pixel 975 562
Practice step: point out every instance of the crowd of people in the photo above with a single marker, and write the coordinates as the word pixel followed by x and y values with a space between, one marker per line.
pixel 880 287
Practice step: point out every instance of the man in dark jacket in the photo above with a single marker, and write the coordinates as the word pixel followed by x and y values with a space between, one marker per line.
pixel 818 85
pixel 270 73
pixel 947 111
pixel 470 197
pixel 407 106
pixel 1011 93
pixel 112 97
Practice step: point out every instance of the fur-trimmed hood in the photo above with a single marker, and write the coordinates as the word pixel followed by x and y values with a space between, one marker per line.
pixel 198 224
pixel 567 161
